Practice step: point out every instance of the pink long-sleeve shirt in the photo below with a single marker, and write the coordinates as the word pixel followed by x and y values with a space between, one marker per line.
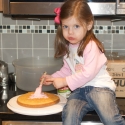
pixel 89 70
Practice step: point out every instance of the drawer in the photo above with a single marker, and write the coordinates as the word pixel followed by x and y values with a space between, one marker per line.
pixel 43 123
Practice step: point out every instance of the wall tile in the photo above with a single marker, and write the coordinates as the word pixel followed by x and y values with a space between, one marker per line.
pixel 51 22
pixel 8 20
pixel 9 55
pixel 41 22
pixel 120 52
pixel 51 52
pixel 24 22
pixel 22 53
pixel 40 41
pixel 40 52
pixel 9 41
pixel 119 41
pixel 0 55
pixel 108 53
pixel 0 47
pixel 24 40
pixel 104 22
pixel 121 22
pixel 11 68
pixel 106 39
pixel 51 40
pixel 0 40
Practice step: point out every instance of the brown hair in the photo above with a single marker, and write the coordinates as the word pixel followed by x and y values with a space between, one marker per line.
pixel 81 10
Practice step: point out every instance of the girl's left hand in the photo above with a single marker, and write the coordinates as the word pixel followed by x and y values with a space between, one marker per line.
pixel 58 82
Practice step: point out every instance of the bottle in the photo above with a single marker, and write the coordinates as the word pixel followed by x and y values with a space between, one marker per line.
pixel 3 95
pixel 65 92
pixel 3 82
pixel 3 73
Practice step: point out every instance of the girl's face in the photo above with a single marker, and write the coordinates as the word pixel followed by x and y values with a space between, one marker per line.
pixel 73 31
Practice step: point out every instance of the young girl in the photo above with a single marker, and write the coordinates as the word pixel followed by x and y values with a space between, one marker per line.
pixel 84 69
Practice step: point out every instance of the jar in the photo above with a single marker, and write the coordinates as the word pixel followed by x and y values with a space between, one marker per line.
pixel 65 92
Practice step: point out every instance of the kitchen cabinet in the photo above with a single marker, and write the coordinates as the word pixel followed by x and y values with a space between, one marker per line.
pixel 1 7
pixel 43 123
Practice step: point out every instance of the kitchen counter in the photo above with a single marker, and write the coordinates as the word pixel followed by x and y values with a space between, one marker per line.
pixel 8 115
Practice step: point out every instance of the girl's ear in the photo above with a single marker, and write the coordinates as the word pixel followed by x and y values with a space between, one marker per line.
pixel 90 25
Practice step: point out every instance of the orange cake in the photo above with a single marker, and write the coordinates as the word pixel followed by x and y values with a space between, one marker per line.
pixel 46 99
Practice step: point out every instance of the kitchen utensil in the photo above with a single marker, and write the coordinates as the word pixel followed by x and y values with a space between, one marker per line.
pixel 3 82
pixel 41 82
pixel 3 73
pixel 12 81
pixel 29 70
pixel 39 88
pixel 14 106
pixel 3 95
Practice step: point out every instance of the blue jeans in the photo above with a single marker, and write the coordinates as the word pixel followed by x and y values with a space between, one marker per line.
pixel 82 100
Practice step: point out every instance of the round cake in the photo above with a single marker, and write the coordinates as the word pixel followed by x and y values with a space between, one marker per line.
pixel 26 101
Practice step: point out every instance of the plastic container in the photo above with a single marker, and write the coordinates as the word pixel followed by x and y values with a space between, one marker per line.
pixel 29 70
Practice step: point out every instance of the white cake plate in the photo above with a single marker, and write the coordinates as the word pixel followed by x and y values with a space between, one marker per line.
pixel 56 108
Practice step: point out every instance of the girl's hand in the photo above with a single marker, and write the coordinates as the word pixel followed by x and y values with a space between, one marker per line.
pixel 45 77
pixel 57 82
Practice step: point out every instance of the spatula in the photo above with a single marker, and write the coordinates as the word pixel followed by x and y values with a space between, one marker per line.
pixel 39 88
pixel 43 78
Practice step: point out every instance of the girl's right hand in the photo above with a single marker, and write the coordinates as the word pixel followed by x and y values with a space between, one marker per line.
pixel 45 77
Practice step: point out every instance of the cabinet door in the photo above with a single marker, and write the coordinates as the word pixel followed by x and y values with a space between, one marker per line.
pixel 1 8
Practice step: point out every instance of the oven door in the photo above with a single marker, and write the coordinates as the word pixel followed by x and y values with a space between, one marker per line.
pixel 46 7
pixel 102 7
pixel 120 4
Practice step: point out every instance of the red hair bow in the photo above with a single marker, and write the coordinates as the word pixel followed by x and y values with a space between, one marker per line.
pixel 57 18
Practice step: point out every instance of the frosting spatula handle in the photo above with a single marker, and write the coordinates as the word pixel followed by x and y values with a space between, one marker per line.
pixel 41 82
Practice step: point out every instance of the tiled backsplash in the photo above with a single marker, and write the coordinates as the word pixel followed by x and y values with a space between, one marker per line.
pixel 28 38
